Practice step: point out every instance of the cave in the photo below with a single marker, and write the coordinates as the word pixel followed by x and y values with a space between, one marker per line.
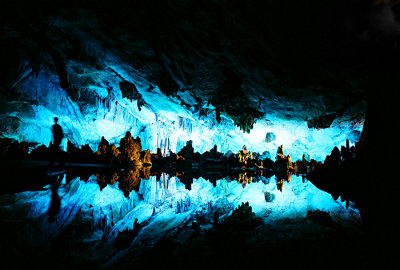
pixel 213 134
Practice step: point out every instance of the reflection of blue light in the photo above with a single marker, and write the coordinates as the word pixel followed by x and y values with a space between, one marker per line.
pixel 165 205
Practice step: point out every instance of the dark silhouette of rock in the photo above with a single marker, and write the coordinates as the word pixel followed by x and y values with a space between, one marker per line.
pixel 41 153
pixel 334 158
pixel 187 151
pixel 84 154
pixel 242 219
pixel 212 154
pixel 320 217
pixel 12 149
pixel 269 196
pixel 87 152
pixel 323 121
pixel 124 238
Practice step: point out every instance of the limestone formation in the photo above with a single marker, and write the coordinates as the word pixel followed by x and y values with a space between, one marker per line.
pixel 129 180
pixel 270 137
pixel 130 149
pixel 145 157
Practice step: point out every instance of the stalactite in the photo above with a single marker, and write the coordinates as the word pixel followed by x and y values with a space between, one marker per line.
pixel 116 110
pixel 183 205
pixel 106 219
pixel 165 147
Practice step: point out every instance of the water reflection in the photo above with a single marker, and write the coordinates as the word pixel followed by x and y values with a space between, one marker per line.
pixel 55 203
pixel 282 178
pixel 123 209
pixel 129 179
pixel 136 206
pixel 180 188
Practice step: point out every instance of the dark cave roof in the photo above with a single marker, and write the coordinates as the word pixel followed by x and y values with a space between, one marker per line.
pixel 298 60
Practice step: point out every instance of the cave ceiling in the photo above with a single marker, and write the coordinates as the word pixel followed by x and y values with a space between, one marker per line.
pixel 301 60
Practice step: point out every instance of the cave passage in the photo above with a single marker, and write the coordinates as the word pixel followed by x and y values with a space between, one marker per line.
pixel 221 133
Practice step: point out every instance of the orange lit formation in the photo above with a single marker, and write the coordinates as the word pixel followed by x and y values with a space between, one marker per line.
pixel 128 163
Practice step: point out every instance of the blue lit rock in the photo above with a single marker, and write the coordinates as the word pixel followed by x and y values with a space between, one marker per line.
pixel 269 197
pixel 270 137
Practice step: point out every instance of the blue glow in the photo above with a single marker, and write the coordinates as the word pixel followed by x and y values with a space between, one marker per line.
pixel 161 123
pixel 162 206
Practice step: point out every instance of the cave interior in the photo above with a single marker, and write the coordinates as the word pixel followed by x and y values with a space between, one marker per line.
pixel 156 101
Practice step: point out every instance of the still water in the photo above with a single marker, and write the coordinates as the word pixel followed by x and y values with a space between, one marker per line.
pixel 85 216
